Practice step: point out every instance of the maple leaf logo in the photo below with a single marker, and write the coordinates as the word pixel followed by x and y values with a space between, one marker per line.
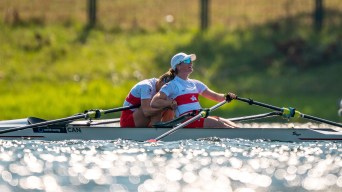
pixel 193 98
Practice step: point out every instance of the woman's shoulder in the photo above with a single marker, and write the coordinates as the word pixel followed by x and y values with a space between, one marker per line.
pixel 148 82
pixel 171 85
pixel 195 81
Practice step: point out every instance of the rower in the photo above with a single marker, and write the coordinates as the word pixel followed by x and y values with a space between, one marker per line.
pixel 181 94
pixel 141 94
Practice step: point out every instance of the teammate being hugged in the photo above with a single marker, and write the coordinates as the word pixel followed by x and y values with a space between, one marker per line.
pixel 141 94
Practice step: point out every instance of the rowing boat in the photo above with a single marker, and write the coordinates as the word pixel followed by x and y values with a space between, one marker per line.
pixel 94 128
pixel 110 129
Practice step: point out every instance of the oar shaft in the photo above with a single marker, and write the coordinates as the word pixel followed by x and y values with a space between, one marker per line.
pixel 120 109
pixel 217 106
pixel 321 120
pixel 253 117
pixel 179 126
pixel 45 123
pixel 251 102
pixel 92 114
pixel 189 121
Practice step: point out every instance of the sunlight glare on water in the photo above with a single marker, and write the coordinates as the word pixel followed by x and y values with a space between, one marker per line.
pixel 209 164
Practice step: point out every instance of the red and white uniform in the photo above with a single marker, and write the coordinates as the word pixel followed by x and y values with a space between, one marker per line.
pixel 145 89
pixel 186 93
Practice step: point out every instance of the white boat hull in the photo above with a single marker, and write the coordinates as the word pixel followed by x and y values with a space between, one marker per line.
pixel 101 130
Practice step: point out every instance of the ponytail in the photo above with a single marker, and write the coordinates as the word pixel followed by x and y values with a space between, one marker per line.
pixel 168 76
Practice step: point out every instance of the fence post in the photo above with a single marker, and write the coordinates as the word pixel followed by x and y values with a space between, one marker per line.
pixel 91 13
pixel 318 15
pixel 204 14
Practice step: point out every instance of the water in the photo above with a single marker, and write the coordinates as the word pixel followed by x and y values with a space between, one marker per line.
pixel 210 164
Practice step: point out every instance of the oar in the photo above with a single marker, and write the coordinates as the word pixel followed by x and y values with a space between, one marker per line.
pixel 288 112
pixel 92 114
pixel 203 113
pixel 253 117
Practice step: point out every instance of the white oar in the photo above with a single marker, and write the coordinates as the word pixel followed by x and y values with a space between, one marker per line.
pixel 199 115
pixel 253 117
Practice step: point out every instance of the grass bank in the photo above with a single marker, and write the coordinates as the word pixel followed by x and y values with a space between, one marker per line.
pixel 53 71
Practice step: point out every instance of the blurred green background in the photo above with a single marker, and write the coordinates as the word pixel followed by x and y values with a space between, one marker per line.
pixel 54 64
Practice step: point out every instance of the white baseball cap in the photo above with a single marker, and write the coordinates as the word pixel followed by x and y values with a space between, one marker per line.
pixel 179 58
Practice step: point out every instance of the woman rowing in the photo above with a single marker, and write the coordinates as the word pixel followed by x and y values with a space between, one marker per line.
pixel 141 94
pixel 185 92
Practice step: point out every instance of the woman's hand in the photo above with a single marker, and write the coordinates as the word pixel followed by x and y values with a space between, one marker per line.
pixel 229 96
pixel 173 104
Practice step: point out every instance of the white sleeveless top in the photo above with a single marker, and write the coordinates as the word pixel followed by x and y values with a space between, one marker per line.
pixel 185 92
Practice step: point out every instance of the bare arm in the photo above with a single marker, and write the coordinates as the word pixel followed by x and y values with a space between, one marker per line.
pixel 160 101
pixel 210 94
pixel 147 109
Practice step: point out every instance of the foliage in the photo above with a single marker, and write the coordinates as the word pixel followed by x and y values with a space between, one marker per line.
pixel 52 71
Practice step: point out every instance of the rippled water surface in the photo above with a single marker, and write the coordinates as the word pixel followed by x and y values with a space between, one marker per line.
pixel 190 165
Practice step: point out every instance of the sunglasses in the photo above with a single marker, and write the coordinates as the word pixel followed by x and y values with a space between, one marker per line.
pixel 187 61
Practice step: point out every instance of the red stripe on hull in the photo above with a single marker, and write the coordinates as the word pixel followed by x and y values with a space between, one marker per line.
pixel 320 139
